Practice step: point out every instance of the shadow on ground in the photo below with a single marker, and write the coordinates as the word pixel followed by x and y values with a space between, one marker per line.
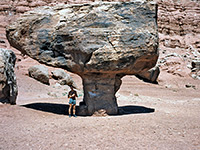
pixel 130 109
pixel 62 109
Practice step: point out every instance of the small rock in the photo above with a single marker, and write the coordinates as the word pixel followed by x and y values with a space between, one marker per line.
pixel 190 86
pixel 189 66
pixel 100 113
pixel 196 64
pixel 168 86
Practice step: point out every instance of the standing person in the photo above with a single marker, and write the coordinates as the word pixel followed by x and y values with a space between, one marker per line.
pixel 72 101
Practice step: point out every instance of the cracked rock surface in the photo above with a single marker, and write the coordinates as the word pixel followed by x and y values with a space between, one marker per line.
pixel 8 83
pixel 101 42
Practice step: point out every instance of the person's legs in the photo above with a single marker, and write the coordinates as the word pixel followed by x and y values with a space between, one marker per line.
pixel 70 107
pixel 74 110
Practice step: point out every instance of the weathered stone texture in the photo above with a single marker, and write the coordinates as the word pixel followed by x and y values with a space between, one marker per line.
pixel 40 73
pixel 63 77
pixel 8 83
pixel 101 42
pixel 179 23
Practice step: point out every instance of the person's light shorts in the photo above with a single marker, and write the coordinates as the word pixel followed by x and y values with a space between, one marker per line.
pixel 71 101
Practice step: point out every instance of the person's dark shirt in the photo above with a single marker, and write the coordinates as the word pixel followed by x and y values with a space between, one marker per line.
pixel 72 93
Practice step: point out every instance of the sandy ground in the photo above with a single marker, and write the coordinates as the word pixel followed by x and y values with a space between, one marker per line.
pixel 163 116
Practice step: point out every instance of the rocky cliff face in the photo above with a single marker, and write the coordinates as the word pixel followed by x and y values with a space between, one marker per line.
pixel 179 33
pixel 101 42
pixel 179 24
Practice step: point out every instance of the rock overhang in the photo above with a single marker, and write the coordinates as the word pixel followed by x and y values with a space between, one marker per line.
pixel 96 37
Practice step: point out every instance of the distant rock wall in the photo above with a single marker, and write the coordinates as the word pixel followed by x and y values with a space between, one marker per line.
pixel 179 34
pixel 179 24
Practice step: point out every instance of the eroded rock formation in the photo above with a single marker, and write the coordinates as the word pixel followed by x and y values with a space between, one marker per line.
pixel 8 84
pixel 101 42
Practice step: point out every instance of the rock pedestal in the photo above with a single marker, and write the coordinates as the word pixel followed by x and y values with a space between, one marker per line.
pixel 101 42
pixel 99 93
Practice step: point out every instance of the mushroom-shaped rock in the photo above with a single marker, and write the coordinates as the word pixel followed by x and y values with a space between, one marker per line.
pixel 101 42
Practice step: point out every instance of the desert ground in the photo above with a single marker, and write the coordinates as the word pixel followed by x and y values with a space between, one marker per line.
pixel 163 116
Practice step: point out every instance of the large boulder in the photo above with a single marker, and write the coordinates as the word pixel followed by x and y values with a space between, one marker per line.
pixel 101 42
pixel 8 83
pixel 40 73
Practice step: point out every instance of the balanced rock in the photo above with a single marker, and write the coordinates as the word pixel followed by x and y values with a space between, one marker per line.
pixel 40 73
pixel 101 42
pixel 8 83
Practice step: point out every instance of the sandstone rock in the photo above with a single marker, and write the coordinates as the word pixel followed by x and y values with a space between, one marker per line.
pixel 151 75
pixel 100 113
pixel 196 64
pixel 179 23
pixel 40 73
pixel 195 69
pixel 8 83
pixel 101 42
pixel 22 9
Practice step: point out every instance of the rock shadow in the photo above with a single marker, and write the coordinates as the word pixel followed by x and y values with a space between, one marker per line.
pixel 130 109
pixel 62 109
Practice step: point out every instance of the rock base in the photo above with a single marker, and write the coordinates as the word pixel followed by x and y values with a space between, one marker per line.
pixel 99 93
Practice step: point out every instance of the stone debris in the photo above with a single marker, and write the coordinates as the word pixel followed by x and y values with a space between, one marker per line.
pixel 100 113
pixel 190 86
